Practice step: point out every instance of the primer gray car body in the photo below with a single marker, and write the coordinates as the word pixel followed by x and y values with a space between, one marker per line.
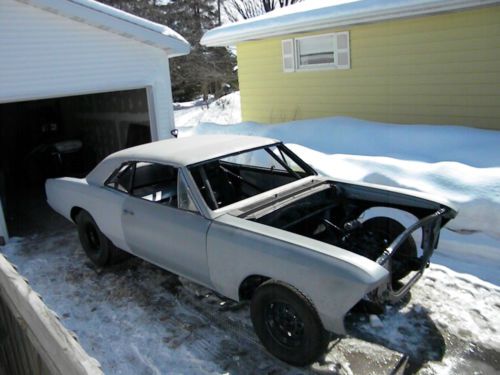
pixel 221 248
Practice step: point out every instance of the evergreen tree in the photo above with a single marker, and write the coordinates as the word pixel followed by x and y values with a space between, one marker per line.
pixel 205 70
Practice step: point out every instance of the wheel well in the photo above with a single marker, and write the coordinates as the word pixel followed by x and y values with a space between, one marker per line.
pixel 249 285
pixel 74 212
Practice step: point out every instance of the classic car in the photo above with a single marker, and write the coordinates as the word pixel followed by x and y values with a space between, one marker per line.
pixel 246 217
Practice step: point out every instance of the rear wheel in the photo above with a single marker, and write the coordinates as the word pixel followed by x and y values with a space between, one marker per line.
pixel 96 245
pixel 287 324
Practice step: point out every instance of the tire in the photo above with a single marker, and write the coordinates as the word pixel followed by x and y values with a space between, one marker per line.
pixel 287 324
pixel 96 245
pixel 385 230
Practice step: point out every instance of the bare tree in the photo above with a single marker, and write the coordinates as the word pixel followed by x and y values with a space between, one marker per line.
pixel 244 9
pixel 239 9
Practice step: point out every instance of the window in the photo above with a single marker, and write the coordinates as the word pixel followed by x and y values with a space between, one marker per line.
pixel 152 182
pixel 326 51
pixel 318 50
pixel 156 183
pixel 233 178
pixel 121 179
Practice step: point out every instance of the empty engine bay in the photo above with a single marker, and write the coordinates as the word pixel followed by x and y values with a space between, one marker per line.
pixel 330 213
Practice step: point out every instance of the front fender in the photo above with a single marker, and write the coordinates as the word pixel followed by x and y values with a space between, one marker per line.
pixel 332 278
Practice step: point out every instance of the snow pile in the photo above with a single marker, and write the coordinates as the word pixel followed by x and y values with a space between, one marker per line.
pixel 457 163
pixel 225 110
pixel 346 135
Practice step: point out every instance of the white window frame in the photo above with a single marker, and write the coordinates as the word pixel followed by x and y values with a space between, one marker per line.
pixel 314 67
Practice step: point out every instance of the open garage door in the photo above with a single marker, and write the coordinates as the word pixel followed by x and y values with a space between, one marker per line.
pixel 60 137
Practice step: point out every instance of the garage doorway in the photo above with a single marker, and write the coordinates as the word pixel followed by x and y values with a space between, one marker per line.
pixel 59 137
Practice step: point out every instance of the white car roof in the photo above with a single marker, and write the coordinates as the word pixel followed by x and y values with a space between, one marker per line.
pixel 179 152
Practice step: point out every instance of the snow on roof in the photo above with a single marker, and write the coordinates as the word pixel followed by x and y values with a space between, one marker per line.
pixel 118 21
pixel 313 15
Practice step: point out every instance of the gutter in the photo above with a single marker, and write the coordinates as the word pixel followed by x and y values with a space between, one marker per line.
pixel 265 27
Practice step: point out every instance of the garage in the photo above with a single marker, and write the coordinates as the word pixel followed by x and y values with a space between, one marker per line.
pixel 79 80
pixel 61 137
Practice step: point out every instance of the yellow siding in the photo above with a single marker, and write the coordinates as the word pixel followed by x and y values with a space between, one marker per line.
pixel 441 69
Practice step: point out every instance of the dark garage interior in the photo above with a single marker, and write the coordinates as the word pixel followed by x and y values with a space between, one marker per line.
pixel 61 137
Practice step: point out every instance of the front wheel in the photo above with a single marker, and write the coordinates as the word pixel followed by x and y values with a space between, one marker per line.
pixel 287 324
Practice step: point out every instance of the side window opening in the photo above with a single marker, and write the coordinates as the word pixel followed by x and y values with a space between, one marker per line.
pixel 121 179
pixel 155 183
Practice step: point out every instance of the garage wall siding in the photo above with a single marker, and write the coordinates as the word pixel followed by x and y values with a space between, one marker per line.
pixel 46 55
pixel 441 69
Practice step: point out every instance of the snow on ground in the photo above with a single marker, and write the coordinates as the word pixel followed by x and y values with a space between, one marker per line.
pixel 136 318
pixel 457 163
pixel 225 110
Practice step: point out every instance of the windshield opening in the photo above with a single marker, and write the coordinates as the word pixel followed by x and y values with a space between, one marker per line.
pixel 232 178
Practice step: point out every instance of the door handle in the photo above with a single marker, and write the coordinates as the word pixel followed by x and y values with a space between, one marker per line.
pixel 128 212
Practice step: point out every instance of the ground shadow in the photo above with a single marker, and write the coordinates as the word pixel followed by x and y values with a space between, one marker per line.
pixel 408 330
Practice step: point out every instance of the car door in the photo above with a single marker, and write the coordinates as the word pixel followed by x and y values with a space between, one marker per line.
pixel 157 230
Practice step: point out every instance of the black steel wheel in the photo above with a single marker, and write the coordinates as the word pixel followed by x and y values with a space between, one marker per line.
pixel 96 245
pixel 284 324
pixel 287 324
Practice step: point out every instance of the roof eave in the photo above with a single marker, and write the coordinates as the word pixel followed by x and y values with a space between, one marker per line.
pixel 122 23
pixel 313 22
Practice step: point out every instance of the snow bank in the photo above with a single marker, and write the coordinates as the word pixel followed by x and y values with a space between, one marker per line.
pixel 458 163
pixel 225 110
pixel 345 135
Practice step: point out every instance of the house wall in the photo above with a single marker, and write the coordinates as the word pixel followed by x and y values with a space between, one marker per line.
pixel 440 69
pixel 45 55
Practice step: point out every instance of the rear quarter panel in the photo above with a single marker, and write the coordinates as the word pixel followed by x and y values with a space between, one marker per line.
pixel 332 278
pixel 103 204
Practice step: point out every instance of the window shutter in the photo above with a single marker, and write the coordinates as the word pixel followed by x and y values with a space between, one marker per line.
pixel 343 60
pixel 288 55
